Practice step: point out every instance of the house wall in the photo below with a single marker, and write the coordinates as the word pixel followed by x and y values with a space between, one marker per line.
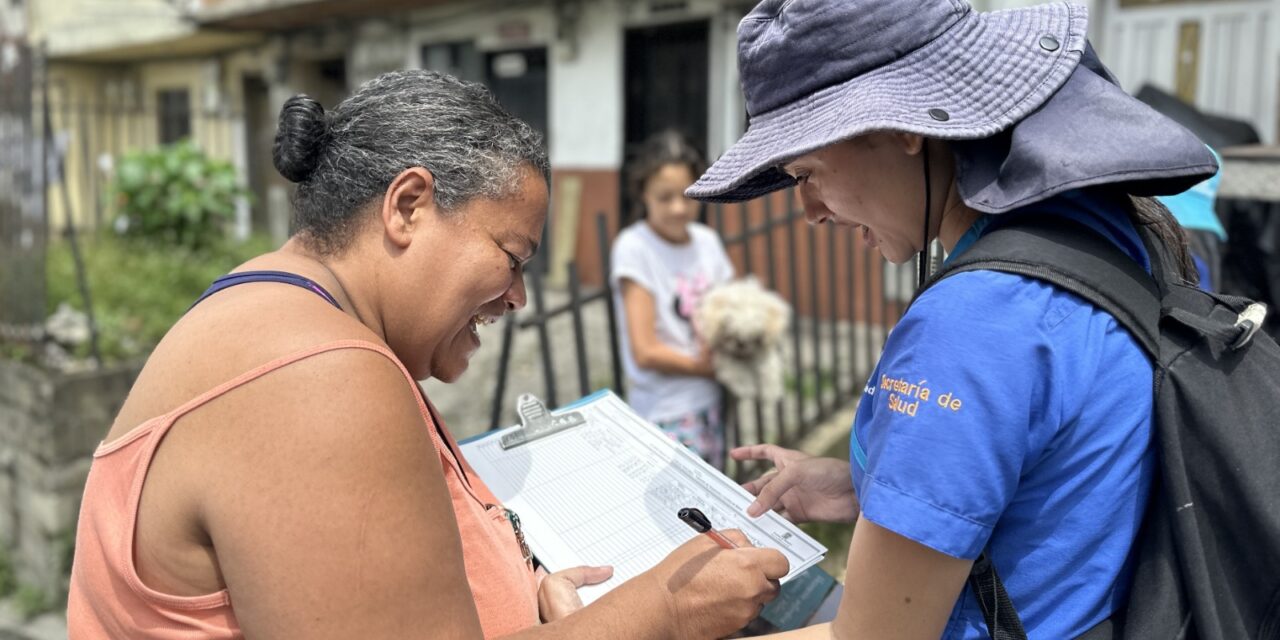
pixel 1239 48
pixel 585 89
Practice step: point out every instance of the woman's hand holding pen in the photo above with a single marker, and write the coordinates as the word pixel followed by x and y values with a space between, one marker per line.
pixel 710 591
pixel 803 488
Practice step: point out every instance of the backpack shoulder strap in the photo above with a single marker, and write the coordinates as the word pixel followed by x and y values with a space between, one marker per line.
pixel 1075 258
pixel 1003 622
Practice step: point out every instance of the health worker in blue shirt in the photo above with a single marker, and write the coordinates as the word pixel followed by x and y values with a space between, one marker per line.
pixel 1005 414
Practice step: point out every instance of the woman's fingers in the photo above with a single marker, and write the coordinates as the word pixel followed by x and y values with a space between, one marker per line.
pixel 737 537
pixel 757 452
pixel 771 491
pixel 771 561
pixel 583 576
pixel 755 486
pixel 558 592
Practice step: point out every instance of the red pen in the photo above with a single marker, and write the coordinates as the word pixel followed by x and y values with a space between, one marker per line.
pixel 699 522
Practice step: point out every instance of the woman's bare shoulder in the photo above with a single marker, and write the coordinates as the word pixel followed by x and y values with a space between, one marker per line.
pixel 233 333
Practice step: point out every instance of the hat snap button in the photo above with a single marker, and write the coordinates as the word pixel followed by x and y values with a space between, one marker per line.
pixel 939 115
pixel 1049 43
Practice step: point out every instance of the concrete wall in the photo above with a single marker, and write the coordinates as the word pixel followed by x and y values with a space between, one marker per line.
pixel 585 47
pixel 50 425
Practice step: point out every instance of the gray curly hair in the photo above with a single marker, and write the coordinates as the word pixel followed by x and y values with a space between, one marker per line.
pixel 345 158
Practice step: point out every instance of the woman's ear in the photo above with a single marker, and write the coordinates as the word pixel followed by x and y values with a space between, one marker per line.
pixel 911 143
pixel 409 202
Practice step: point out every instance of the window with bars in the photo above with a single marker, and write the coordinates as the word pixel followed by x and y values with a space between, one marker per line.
pixel 174 114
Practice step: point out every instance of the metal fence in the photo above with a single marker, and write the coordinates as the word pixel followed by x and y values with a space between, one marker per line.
pixel 92 133
pixel 844 298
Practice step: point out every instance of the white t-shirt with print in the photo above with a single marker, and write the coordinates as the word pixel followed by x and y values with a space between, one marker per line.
pixel 677 275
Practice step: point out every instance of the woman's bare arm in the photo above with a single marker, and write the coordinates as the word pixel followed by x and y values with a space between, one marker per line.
pixel 337 522
pixel 895 589
pixel 330 518
pixel 646 349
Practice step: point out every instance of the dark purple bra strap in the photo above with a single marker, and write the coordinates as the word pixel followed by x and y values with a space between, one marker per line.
pixel 283 277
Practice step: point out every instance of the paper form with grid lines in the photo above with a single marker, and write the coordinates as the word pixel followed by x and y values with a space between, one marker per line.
pixel 606 493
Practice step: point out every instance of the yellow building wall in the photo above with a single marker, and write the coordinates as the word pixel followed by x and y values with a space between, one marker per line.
pixel 101 112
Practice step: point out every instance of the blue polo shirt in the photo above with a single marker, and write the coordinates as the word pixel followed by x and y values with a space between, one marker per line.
pixel 1010 415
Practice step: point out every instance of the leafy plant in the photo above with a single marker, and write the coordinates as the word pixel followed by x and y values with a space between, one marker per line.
pixel 64 543
pixel 176 195
pixel 16 352
pixel 31 601
pixel 8 580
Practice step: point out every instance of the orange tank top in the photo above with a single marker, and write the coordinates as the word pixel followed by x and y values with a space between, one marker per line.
pixel 108 600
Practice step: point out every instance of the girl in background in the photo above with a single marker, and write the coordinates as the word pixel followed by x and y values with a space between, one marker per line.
pixel 662 265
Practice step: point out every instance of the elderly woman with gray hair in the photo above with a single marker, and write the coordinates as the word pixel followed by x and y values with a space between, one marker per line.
pixel 276 471
pixel 1007 418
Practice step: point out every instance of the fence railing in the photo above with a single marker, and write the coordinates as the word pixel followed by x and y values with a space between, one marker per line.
pixel 844 299
pixel 92 136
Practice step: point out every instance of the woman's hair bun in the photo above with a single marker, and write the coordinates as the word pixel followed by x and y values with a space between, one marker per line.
pixel 300 138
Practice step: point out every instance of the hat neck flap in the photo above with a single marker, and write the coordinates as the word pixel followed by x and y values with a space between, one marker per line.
pixel 1089 133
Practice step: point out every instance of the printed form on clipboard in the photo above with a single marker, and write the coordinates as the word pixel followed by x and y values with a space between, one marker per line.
pixel 596 484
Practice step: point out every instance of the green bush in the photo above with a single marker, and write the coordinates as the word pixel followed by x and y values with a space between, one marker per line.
pixel 32 601
pixel 139 289
pixel 175 195
pixel 8 581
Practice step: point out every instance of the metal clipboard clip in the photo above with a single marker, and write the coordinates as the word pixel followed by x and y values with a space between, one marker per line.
pixel 537 422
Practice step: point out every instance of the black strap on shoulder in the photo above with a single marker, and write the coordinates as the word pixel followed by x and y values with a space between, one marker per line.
pixel 1003 622
pixel 1072 257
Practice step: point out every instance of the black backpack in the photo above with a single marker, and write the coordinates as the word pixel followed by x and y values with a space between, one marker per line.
pixel 1208 554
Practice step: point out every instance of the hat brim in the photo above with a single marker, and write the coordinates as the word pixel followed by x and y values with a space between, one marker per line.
pixel 987 72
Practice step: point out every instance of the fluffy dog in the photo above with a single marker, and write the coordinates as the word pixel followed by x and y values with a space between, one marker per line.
pixel 744 326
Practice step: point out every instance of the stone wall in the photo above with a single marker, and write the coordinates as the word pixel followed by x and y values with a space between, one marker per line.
pixel 50 424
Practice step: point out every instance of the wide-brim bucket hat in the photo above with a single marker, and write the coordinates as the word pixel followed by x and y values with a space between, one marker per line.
pixel 1011 83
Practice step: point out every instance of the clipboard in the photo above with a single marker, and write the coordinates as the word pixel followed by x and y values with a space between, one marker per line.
pixel 537 422
pixel 596 484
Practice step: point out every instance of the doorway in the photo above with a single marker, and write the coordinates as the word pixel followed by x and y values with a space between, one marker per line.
pixel 666 86
pixel 260 131
pixel 666 82
pixel 518 80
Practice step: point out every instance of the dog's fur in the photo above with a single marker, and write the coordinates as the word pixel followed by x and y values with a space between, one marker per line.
pixel 744 326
